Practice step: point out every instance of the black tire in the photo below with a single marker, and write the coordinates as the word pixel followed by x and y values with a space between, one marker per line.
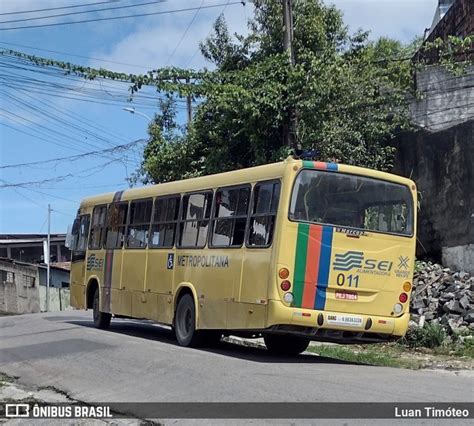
pixel 101 319
pixel 285 344
pixel 185 323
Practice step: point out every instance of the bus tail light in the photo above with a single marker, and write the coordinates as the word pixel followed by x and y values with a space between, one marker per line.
pixel 406 286
pixel 283 273
pixel 403 297
pixel 285 285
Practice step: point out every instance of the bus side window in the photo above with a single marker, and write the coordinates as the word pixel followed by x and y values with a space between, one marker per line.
pixel 97 227
pixel 194 222
pixel 262 219
pixel 165 219
pixel 140 217
pixel 116 224
pixel 230 217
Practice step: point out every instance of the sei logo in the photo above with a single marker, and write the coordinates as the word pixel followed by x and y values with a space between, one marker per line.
pixel 94 264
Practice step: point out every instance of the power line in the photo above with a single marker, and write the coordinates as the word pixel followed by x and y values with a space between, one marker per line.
pixel 208 34
pixel 165 12
pixel 57 178
pixel 74 157
pixel 84 11
pixel 185 32
pixel 74 55
pixel 58 8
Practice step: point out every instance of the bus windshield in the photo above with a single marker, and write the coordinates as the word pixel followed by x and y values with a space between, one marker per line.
pixel 352 201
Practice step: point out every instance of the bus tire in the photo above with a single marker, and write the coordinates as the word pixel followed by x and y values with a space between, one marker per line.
pixel 281 344
pixel 185 323
pixel 101 319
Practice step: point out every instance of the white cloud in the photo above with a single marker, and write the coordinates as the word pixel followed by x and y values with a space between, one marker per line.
pixel 399 19
pixel 151 45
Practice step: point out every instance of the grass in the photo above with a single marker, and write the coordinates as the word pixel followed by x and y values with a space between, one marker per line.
pixel 372 355
pixel 5 378
pixel 452 356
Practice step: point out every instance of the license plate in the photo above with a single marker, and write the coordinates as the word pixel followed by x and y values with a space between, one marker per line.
pixel 347 320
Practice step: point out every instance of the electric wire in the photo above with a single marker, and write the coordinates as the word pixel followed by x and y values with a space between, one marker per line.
pixel 111 18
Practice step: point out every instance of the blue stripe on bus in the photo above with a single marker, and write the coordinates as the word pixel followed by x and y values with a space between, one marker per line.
pixel 324 267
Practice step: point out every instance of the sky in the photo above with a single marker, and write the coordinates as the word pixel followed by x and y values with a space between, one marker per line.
pixel 45 117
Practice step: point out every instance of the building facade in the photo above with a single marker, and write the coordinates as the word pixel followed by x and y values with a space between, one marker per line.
pixel 29 247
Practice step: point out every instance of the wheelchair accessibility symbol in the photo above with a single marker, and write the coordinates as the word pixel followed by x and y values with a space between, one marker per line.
pixel 170 261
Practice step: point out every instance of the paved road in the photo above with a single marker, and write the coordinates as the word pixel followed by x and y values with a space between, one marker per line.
pixel 136 361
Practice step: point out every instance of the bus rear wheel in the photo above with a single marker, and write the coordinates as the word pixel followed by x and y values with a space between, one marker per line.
pixel 185 323
pixel 281 344
pixel 101 319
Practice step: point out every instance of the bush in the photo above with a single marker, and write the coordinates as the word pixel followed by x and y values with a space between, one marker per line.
pixel 431 335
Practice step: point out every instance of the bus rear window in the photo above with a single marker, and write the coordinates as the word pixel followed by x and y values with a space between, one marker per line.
pixel 352 201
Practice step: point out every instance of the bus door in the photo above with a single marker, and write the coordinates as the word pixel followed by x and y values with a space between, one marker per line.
pixel 161 260
pixel 134 256
pixel 258 255
pixel 115 298
pixel 80 232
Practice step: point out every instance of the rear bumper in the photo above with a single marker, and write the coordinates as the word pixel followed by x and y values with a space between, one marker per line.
pixel 319 325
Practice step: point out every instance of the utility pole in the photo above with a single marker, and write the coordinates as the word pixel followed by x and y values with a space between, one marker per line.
pixel 48 258
pixel 289 128
pixel 189 106
pixel 288 29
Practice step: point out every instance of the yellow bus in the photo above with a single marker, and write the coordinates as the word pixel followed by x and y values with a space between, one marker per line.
pixel 293 251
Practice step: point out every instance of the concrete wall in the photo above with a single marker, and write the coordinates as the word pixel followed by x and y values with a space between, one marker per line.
pixel 21 292
pixel 58 299
pixel 441 164
pixel 19 288
pixel 57 277
pixel 446 100
pixel 440 157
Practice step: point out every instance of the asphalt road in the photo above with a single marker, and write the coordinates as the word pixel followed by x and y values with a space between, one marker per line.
pixel 139 361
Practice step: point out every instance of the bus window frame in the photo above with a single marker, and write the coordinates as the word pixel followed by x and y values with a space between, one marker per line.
pixel 129 217
pixel 367 231
pixel 78 255
pixel 251 215
pixel 104 226
pixel 176 222
pixel 180 220
pixel 213 219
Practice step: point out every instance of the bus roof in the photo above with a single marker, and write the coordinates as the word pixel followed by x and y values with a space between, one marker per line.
pixel 234 177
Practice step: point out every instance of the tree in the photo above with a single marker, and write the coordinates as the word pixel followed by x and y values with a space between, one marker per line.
pixel 350 96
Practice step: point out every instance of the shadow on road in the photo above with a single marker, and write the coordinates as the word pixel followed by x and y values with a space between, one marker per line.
pixel 151 331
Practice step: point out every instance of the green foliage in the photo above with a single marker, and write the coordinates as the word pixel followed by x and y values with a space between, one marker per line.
pixel 431 335
pixel 454 53
pixel 349 98
pixel 349 95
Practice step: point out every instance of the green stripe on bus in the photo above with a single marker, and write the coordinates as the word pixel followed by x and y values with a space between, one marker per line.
pixel 300 263
pixel 308 164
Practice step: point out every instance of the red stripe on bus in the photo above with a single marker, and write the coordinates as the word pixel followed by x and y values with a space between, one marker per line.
pixel 321 165
pixel 312 266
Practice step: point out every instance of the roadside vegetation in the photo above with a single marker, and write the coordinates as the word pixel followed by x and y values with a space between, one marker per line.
pixel 422 347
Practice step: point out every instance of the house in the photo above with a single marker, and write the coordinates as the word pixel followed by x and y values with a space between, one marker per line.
pixel 29 247
pixel 23 287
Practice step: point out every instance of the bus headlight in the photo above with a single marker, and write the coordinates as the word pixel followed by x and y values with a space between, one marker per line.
pixel 288 297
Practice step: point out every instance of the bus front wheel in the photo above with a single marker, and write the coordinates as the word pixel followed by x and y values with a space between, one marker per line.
pixel 101 319
pixel 281 344
pixel 185 322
